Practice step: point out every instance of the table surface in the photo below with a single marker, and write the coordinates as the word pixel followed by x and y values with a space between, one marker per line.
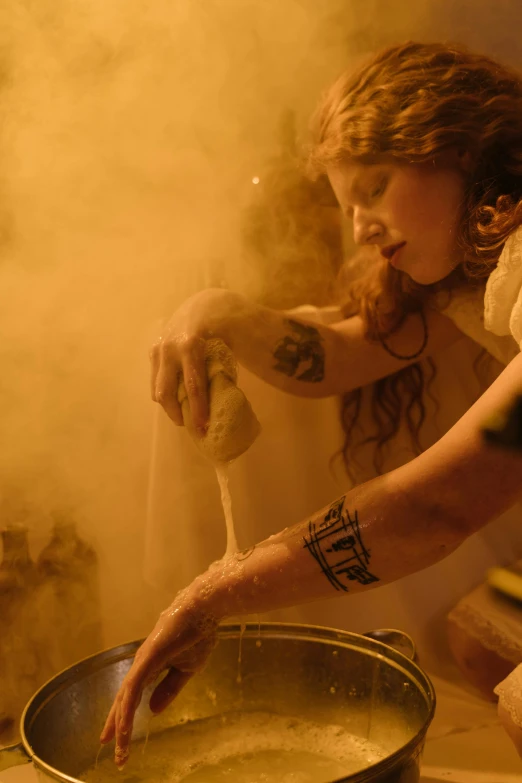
pixel 466 743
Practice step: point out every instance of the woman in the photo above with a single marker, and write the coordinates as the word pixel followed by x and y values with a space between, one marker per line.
pixel 423 150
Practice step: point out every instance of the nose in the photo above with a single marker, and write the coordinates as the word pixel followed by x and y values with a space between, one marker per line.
pixel 367 228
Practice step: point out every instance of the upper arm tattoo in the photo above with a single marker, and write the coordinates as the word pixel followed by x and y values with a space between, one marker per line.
pixel 337 545
pixel 301 354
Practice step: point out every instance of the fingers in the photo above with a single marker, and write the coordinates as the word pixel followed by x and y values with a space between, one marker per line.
pixel 166 390
pixel 123 741
pixel 168 689
pixel 120 720
pixel 121 750
pixel 196 384
pixel 194 659
pixel 187 664
pixel 171 360
pixel 129 704
pixel 109 729
pixel 176 644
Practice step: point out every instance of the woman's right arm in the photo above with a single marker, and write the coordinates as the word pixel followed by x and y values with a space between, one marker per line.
pixel 298 356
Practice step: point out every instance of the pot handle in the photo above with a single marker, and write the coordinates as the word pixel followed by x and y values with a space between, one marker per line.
pixel 13 756
pixel 399 640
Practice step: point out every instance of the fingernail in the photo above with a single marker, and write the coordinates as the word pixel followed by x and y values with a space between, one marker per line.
pixel 202 431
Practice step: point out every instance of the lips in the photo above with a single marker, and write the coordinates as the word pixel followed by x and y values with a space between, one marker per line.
pixel 389 251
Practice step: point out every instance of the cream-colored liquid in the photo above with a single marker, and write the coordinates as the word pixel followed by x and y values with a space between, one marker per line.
pixel 100 749
pixel 243 747
pixel 232 547
pixel 242 629
pixel 226 501
pixel 147 735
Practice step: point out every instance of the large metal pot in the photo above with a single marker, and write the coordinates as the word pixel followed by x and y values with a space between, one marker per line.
pixel 311 673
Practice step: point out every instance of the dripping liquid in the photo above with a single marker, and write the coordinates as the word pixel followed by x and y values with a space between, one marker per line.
pixel 241 634
pixel 232 547
pixel 98 756
pixel 147 735
pixel 226 501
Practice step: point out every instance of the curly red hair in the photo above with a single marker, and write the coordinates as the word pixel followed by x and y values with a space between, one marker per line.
pixel 415 102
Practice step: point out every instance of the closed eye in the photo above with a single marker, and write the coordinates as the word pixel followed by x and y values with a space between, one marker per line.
pixel 379 189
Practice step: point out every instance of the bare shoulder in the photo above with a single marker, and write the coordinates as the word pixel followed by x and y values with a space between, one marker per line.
pixel 441 330
pixel 416 339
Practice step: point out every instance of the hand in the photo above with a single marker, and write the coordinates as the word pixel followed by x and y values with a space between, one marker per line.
pixel 180 643
pixel 180 353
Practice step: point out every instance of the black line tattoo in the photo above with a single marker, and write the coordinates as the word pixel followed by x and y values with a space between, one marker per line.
pixel 337 545
pixel 302 352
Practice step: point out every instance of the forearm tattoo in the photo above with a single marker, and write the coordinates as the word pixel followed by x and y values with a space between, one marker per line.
pixel 301 354
pixel 337 545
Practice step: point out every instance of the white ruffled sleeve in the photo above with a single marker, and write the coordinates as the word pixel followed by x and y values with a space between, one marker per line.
pixel 503 296
pixel 509 693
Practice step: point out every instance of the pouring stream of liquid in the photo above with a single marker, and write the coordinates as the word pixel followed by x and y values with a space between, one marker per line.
pixel 226 501
pixel 232 547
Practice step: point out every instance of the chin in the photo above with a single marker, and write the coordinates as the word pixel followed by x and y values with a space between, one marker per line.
pixel 428 276
pixel 425 279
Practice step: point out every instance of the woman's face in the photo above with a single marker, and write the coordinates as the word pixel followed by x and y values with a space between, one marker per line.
pixel 411 211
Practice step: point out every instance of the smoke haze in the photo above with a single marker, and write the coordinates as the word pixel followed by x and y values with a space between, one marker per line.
pixel 130 132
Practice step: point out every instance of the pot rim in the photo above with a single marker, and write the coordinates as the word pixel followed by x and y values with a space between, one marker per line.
pixel 322 634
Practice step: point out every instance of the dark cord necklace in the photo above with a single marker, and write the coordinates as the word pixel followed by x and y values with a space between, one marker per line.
pixel 413 355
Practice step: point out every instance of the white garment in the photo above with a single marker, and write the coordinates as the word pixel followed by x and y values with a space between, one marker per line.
pixel 503 297
pixel 492 314
pixel 509 693
pixel 466 309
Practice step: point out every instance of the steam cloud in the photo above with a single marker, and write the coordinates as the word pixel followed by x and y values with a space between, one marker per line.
pixel 130 133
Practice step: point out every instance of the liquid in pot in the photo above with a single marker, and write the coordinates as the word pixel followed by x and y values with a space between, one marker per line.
pixel 243 747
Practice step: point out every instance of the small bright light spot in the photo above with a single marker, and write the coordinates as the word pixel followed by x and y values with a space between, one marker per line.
pixel 255 180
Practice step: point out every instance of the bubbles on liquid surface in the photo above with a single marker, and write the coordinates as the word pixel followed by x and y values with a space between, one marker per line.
pixel 249 747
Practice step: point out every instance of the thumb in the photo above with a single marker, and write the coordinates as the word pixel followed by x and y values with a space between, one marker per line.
pixel 167 690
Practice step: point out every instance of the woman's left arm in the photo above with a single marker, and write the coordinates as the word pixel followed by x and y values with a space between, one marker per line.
pixel 392 526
